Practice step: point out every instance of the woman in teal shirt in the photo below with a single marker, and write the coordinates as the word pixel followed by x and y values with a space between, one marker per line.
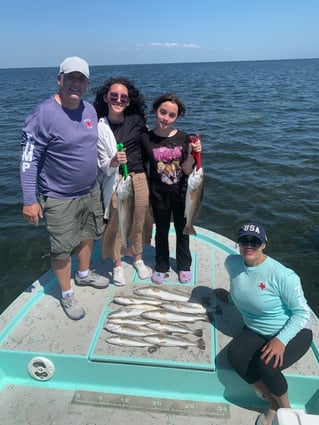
pixel 276 316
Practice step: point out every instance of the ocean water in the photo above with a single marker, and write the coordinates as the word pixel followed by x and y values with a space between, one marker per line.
pixel 259 127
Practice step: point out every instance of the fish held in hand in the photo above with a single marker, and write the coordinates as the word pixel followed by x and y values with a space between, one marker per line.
pixel 125 208
pixel 193 199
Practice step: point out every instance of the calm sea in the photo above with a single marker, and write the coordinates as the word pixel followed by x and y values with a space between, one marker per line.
pixel 259 125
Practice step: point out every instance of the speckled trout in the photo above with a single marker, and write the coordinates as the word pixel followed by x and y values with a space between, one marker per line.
pixel 161 294
pixel 187 307
pixel 178 328
pixel 129 330
pixel 167 316
pixel 133 300
pixel 130 311
pixel 134 320
pixel 174 341
pixel 128 341
pixel 125 206
pixel 193 199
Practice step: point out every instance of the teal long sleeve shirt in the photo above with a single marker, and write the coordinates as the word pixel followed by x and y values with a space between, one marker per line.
pixel 269 297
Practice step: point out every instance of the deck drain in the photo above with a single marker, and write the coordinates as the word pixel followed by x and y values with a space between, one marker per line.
pixel 41 368
pixel 153 404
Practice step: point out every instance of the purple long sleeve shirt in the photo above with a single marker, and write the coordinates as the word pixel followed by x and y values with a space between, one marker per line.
pixel 59 151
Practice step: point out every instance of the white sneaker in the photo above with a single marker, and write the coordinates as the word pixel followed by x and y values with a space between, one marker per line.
pixel 143 271
pixel 118 276
pixel 92 279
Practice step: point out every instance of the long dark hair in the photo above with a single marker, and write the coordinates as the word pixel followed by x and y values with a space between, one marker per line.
pixel 137 102
pixel 169 97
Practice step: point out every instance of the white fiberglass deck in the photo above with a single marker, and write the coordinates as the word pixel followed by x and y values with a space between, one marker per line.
pixel 94 382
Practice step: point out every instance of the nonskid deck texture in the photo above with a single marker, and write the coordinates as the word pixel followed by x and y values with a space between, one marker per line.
pixel 45 357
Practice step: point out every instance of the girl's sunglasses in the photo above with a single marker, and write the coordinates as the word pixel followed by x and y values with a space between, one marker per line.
pixel 115 96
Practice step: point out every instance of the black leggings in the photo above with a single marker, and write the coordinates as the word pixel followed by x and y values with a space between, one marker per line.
pixel 162 217
pixel 244 354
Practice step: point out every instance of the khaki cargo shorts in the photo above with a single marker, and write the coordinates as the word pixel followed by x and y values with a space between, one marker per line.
pixel 71 221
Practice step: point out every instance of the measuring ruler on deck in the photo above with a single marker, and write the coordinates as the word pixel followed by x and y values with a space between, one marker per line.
pixel 153 404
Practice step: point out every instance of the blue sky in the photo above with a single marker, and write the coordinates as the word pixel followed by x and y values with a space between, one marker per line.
pixel 38 33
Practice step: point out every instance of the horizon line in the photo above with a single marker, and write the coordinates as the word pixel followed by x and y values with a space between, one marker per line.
pixel 166 63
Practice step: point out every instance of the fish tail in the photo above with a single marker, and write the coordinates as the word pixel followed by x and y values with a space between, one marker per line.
pixel 201 344
pixel 198 332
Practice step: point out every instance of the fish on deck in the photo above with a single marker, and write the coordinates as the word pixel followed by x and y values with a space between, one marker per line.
pixel 174 341
pixel 167 316
pixel 127 341
pixel 161 294
pixel 187 308
pixel 129 330
pixel 179 328
pixel 134 300
pixel 133 320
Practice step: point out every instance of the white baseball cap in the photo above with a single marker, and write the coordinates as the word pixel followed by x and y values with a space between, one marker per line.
pixel 75 64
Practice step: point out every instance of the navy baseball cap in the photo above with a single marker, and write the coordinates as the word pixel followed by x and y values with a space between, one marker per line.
pixel 253 229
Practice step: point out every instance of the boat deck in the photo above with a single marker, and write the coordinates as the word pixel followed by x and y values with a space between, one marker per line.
pixel 58 371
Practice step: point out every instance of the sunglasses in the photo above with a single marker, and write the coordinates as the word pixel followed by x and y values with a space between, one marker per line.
pixel 253 242
pixel 115 96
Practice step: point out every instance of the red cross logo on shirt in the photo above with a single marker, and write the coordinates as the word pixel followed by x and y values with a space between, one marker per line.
pixel 88 123
pixel 262 286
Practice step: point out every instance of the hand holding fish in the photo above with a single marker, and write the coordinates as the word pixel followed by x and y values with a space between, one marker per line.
pixel 118 159
pixel 195 186
pixel 195 146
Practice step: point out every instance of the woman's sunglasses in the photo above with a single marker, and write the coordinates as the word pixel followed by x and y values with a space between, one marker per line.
pixel 115 96
pixel 253 242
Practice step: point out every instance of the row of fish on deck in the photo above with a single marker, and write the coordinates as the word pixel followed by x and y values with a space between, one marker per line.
pixel 156 317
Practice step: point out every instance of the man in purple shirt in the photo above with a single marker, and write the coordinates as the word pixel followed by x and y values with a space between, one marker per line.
pixel 58 172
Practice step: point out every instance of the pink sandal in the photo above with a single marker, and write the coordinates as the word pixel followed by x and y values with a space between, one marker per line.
pixel 158 277
pixel 185 276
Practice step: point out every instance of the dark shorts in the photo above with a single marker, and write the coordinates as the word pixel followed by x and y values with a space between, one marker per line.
pixel 71 221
